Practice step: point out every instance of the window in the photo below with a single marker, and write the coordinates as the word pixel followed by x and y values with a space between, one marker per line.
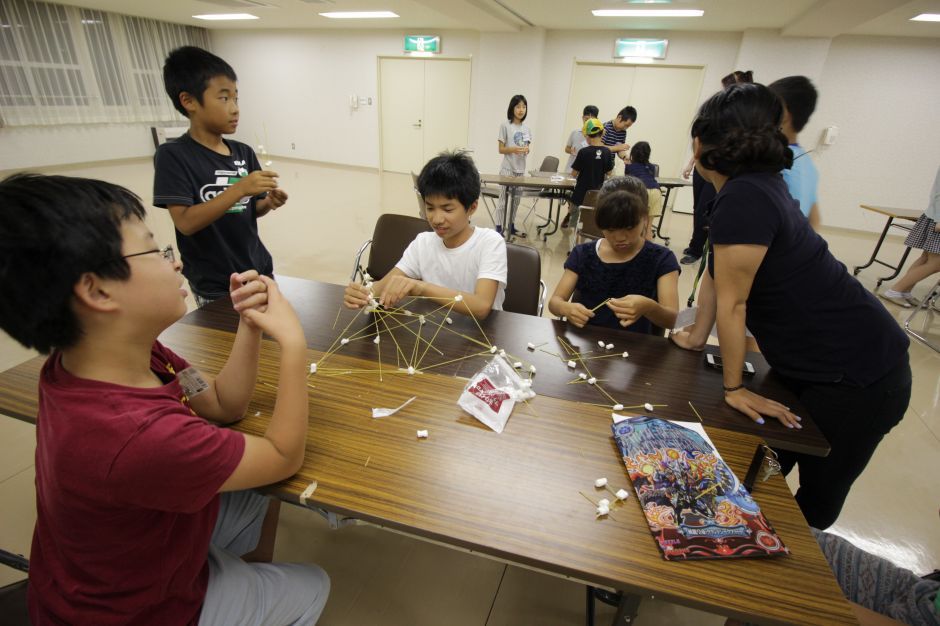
pixel 67 65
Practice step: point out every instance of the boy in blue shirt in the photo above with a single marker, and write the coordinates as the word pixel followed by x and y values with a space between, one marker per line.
pixel 799 101
pixel 214 188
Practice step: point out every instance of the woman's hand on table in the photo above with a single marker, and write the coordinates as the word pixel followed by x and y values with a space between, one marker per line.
pixel 755 405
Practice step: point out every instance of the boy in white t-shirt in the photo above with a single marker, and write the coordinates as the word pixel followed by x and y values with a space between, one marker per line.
pixel 456 258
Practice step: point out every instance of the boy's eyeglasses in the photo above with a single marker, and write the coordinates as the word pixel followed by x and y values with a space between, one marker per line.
pixel 167 253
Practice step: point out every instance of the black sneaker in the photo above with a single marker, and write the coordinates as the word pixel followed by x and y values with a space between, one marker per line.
pixel 689 259
pixel 566 222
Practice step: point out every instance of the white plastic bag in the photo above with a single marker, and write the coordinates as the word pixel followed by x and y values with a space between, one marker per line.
pixel 493 392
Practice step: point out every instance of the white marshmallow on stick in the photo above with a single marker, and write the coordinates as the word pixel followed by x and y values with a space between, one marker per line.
pixel 600 482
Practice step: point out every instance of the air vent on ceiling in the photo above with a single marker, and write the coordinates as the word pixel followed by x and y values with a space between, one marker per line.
pixel 243 4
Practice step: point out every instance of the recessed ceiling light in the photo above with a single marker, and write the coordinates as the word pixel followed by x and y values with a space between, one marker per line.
pixel 226 16
pixel 926 17
pixel 358 15
pixel 648 12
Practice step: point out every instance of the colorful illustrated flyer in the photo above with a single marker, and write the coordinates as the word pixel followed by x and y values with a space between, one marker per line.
pixel 694 504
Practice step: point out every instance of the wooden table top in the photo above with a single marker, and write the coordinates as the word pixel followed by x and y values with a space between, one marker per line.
pixel 673 182
pixel 903 214
pixel 656 371
pixel 529 181
pixel 514 495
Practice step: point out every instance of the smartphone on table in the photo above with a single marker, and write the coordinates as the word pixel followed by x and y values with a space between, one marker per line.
pixel 714 361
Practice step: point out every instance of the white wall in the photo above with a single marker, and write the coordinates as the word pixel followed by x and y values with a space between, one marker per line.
pixel 295 87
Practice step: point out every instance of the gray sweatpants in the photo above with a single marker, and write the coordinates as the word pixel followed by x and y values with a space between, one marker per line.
pixel 256 593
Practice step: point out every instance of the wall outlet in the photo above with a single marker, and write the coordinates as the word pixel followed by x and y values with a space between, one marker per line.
pixel 292 146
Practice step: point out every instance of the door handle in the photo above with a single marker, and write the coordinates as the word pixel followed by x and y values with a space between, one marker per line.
pixel 418 125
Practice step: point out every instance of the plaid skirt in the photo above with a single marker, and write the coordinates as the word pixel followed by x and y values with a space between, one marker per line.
pixel 923 236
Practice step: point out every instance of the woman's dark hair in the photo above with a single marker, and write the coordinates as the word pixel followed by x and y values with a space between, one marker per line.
pixel 739 131
pixel 189 69
pixel 630 184
pixel 53 229
pixel 452 175
pixel 620 209
pixel 799 96
pixel 640 153
pixel 737 76
pixel 516 99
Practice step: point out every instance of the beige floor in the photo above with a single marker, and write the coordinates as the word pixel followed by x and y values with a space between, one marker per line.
pixel 380 577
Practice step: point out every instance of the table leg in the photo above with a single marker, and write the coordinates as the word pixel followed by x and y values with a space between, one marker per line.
pixel 658 228
pixel 548 218
pixel 926 305
pixel 627 605
pixel 627 609
pixel 874 254
pixel 557 221
pixel 897 270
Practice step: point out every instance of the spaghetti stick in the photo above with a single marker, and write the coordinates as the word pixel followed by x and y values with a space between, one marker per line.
pixel 397 347
pixel 468 356
pixel 693 409
pixel 601 304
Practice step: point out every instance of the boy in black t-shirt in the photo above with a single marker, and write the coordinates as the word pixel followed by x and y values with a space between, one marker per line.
pixel 592 165
pixel 214 188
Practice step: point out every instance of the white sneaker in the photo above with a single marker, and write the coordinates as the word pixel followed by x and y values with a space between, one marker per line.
pixel 896 297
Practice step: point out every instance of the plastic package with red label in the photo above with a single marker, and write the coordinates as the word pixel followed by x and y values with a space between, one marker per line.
pixel 493 392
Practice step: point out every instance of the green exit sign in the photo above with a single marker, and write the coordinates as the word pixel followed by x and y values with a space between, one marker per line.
pixel 423 43
pixel 642 48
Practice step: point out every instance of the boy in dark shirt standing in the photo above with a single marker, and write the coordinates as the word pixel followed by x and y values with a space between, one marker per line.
pixel 592 165
pixel 214 188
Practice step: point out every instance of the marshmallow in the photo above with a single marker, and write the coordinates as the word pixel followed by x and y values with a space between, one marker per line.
pixel 530 346
pixel 602 511
pixel 448 320
pixel 493 349
pixel 376 340
pixel 572 364
pixel 604 503
pixel 422 434
pixel 268 163
pixel 625 354
pixel 609 346
pixel 344 340
pixel 526 382
pixel 622 494
pixel 421 319
pixel 502 353
pixel 313 368
pixel 600 482
pixel 532 368
pixel 411 371
pixel 582 376
pixel 458 297
pixel 618 407
pixel 408 313
pixel 601 344
pixel 648 406
pixel 592 380
pixel 517 365
pixel 257 413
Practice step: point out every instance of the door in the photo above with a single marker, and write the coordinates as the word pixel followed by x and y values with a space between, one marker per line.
pixel 425 108
pixel 665 98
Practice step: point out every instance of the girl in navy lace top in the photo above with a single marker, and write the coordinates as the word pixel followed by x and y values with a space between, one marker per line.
pixel 637 279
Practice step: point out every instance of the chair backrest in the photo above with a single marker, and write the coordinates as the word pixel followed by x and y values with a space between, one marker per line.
pixel 587 227
pixel 523 276
pixel 590 198
pixel 422 207
pixel 549 164
pixel 655 170
pixel 391 236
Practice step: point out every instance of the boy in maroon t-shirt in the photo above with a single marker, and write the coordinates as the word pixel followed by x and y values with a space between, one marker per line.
pixel 141 510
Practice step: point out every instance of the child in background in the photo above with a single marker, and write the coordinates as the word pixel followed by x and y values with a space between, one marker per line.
pixel 456 258
pixel 799 101
pixel 142 511
pixel 577 140
pixel 925 234
pixel 636 278
pixel 214 188
pixel 591 166
pixel 615 131
pixel 638 166
pixel 514 140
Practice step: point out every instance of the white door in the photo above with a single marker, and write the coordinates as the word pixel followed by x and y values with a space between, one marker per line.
pixel 425 108
pixel 665 99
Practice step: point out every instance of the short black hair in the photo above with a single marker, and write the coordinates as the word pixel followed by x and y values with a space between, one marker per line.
pixel 516 99
pixel 591 110
pixel 628 183
pixel 620 209
pixel 189 69
pixel 799 96
pixel 738 76
pixel 53 229
pixel 739 131
pixel 640 152
pixel 627 113
pixel 452 175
